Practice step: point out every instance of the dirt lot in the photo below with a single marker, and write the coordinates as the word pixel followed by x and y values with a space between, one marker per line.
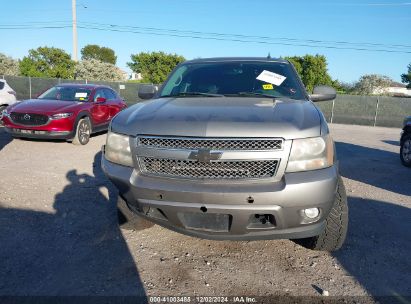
pixel 59 235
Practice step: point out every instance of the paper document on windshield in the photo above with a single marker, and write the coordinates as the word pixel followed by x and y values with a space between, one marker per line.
pixel 270 77
pixel 81 95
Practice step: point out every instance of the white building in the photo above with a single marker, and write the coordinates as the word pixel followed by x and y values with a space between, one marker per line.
pixel 395 89
pixel 136 76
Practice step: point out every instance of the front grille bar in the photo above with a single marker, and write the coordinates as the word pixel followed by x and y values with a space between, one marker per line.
pixel 195 158
pixel 29 119
pixel 211 170
pixel 232 144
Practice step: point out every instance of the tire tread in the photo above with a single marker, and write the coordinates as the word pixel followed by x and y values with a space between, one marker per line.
pixel 76 140
pixel 405 163
pixel 333 236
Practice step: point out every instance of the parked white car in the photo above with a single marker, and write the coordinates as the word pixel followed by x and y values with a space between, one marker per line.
pixel 7 95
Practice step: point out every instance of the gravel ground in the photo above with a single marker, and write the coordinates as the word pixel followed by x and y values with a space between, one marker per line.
pixel 59 234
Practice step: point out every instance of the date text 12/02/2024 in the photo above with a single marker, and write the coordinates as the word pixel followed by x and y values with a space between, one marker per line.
pixel 201 299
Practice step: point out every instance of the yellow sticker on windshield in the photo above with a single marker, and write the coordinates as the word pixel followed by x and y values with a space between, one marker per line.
pixel 267 86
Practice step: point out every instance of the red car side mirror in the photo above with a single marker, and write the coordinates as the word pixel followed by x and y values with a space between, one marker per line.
pixel 101 99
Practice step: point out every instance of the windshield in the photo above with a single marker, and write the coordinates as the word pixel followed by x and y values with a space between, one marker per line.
pixel 66 94
pixel 243 79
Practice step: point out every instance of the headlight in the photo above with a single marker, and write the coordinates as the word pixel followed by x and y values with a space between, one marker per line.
pixel 61 115
pixel 118 149
pixel 311 154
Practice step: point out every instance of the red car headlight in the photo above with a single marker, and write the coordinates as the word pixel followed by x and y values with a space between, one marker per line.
pixel 61 116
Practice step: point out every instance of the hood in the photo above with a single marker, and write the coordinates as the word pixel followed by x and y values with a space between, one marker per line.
pixel 43 106
pixel 220 117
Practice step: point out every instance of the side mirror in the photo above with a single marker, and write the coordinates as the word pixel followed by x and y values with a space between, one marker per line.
pixel 147 91
pixel 101 99
pixel 323 93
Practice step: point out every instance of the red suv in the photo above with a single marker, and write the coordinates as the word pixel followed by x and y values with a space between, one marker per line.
pixel 67 111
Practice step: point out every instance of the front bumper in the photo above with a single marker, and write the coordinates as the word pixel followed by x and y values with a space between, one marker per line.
pixel 39 134
pixel 53 129
pixel 228 210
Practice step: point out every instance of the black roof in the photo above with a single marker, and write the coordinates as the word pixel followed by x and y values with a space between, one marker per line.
pixel 227 59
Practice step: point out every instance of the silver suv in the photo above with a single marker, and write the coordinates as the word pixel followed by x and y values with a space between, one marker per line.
pixel 230 149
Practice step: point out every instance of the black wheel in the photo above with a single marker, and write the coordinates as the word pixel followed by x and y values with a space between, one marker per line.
pixel 405 150
pixel 333 236
pixel 83 132
pixel 129 220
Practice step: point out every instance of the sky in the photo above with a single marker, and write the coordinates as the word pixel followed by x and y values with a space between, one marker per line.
pixel 357 37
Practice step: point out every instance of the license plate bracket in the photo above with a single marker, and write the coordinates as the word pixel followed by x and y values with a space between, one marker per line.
pixel 212 222
pixel 22 131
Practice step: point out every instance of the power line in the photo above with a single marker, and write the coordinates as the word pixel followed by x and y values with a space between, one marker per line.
pixel 37 22
pixel 248 36
pixel 242 40
pixel 241 36
pixel 340 45
pixel 34 28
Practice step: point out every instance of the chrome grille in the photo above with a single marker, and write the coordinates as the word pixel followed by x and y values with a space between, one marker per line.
pixel 209 170
pixel 233 144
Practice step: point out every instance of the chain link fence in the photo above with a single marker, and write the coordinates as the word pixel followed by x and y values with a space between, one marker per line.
pixel 381 111
pixel 30 87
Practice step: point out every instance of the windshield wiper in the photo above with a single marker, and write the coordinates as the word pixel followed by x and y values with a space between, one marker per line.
pixel 255 94
pixel 190 94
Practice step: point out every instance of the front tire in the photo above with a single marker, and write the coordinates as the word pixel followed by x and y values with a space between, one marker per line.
pixel 128 220
pixel 336 225
pixel 83 132
pixel 405 150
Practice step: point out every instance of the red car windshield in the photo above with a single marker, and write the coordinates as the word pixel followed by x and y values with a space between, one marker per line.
pixel 66 93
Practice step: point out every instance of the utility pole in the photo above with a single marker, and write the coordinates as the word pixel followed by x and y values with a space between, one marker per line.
pixel 73 9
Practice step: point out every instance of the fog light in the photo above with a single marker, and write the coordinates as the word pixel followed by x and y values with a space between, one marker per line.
pixel 311 212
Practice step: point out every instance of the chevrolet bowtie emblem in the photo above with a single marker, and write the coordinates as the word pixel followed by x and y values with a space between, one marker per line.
pixel 205 156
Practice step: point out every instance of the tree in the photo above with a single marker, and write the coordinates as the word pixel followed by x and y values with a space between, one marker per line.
pixel 96 70
pixel 101 53
pixel 155 66
pixel 312 70
pixel 406 78
pixel 8 66
pixel 372 84
pixel 343 87
pixel 47 62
